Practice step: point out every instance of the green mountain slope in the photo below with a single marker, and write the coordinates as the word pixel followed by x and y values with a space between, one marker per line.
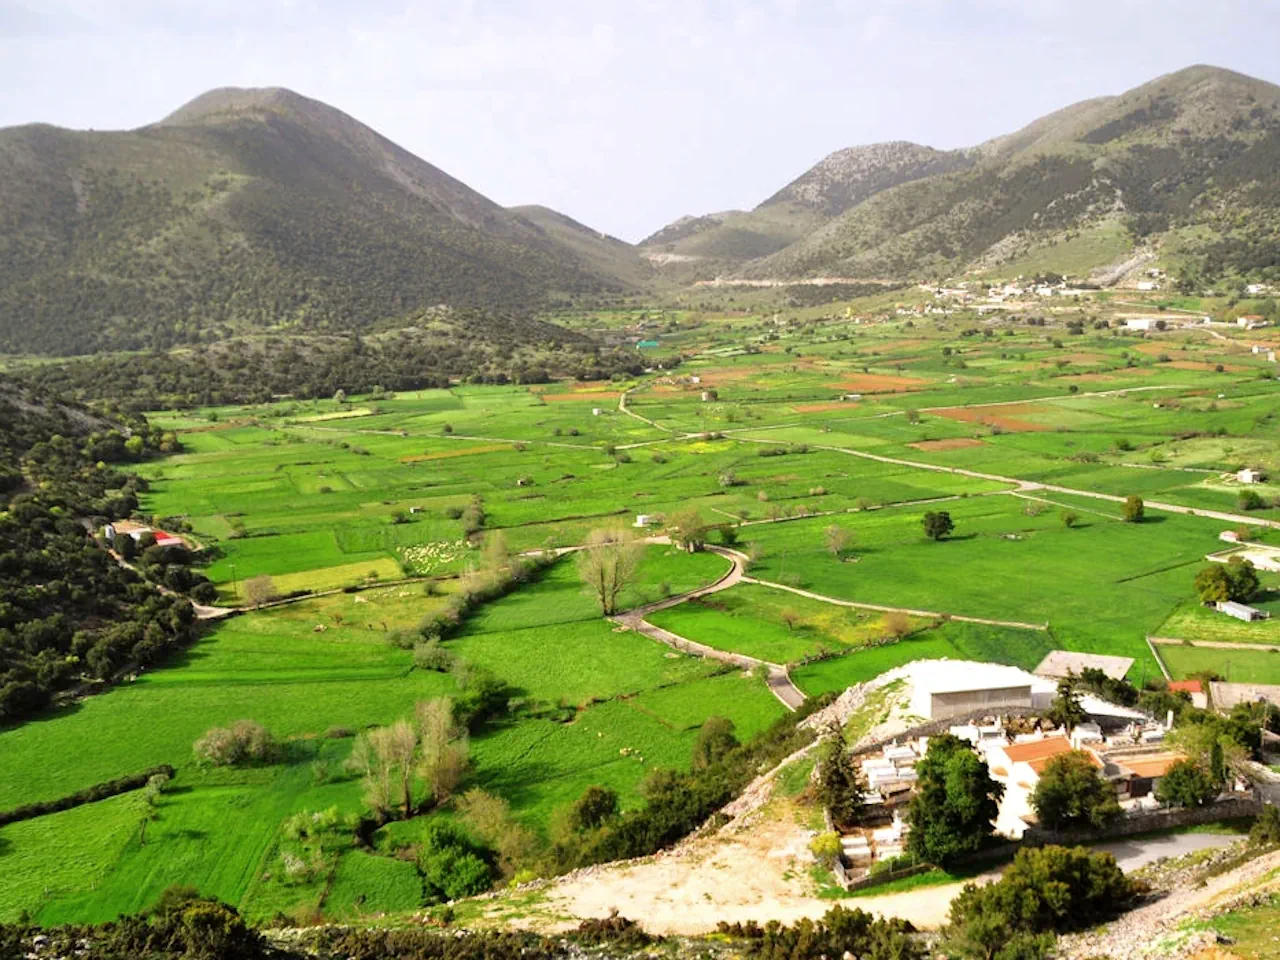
pixel 248 209
pixel 1185 164
pixel 839 181
pixel 599 252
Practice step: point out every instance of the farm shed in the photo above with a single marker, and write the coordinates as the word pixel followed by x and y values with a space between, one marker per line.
pixel 1060 663
pixel 1248 475
pixel 1241 611
pixel 1193 688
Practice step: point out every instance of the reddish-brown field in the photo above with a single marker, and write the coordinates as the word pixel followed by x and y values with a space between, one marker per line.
pixel 823 407
pixel 879 383
pixel 952 443
pixel 997 416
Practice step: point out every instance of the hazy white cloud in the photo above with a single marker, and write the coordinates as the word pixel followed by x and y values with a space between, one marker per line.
pixel 622 113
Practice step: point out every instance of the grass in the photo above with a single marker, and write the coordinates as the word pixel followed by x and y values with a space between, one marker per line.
pixel 752 620
pixel 1004 563
pixel 1251 929
pixel 953 640
pixel 1194 621
pixel 1235 666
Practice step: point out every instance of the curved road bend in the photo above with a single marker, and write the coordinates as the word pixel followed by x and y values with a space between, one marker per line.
pixel 779 680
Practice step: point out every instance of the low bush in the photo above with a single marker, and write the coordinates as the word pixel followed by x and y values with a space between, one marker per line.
pixel 244 743
pixel 99 791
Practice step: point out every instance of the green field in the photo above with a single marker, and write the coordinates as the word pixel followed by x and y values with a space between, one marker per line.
pixel 812 420
pixel 304 669
pixel 1234 666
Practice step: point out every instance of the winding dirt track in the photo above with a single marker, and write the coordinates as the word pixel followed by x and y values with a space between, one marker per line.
pixel 779 680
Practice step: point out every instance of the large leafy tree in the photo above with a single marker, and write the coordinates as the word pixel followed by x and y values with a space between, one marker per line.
pixel 1070 793
pixel 955 805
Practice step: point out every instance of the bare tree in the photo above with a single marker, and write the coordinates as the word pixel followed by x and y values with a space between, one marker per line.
pixel 377 779
pixel 496 554
pixel 839 540
pixel 402 743
pixel 259 590
pixel 442 745
pixel 608 565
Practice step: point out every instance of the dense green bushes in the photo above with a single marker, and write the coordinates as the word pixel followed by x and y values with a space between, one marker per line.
pixel 67 610
pixel 1047 890
pixel 840 933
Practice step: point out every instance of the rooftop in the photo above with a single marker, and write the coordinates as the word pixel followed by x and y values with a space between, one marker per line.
pixel 1059 663
pixel 1153 765
pixel 1033 750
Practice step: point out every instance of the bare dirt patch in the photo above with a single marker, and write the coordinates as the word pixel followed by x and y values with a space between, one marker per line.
pixel 1004 416
pixel 822 407
pixel 891 346
pixel 953 443
pixel 879 383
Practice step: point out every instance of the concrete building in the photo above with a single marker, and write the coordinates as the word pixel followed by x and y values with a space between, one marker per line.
pixel 951 688
pixel 1194 689
pixel 1249 475
pixel 1139 323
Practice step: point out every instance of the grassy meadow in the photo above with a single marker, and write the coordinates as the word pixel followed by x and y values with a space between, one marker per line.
pixel 775 429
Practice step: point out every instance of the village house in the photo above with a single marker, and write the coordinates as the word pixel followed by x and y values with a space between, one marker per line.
pixel 1249 475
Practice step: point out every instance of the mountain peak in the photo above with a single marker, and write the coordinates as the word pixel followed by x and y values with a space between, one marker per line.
pixel 236 100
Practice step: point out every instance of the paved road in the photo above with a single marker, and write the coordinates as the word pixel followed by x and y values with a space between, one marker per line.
pixel 1136 852
pixel 779 680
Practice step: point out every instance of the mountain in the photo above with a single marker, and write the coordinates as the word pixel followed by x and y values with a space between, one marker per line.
pixel 837 182
pixel 1187 165
pixel 250 209
pixel 606 255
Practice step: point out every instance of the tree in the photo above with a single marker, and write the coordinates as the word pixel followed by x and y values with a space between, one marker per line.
pixel 489 818
pixel 1065 710
pixel 608 565
pixel 955 804
pixel 1213 584
pixel 714 742
pixel 1070 793
pixel 1069 518
pixel 1266 829
pixel 790 617
pixel 596 807
pixel 442 747
pixel 1046 890
pixel 839 540
pixel 1243 578
pixel 259 590
pixel 688 530
pixel 1186 784
pixel 937 524
pixel 838 786
pixel 1236 580
pixel 1134 509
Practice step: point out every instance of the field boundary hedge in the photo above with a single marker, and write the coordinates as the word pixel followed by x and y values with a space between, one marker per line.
pixel 99 791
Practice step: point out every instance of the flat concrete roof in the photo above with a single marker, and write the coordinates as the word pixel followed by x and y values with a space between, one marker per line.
pixel 1058 663
pixel 1227 695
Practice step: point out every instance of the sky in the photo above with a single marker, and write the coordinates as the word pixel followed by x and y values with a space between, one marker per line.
pixel 624 114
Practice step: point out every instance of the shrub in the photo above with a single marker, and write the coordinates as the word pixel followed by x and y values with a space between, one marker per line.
pixel 714 742
pixel 1266 829
pixel 433 656
pixel 1134 509
pixel 1186 784
pixel 452 865
pixel 243 744
pixel 1046 890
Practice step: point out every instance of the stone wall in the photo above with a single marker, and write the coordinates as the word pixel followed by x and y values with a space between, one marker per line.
pixel 1127 826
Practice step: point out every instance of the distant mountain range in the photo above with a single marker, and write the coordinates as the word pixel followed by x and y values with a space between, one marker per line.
pixel 261 209
pixel 1189 163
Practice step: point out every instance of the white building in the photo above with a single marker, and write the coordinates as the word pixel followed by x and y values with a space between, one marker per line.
pixel 1241 611
pixel 1138 323
pixel 1248 475
pixel 949 688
